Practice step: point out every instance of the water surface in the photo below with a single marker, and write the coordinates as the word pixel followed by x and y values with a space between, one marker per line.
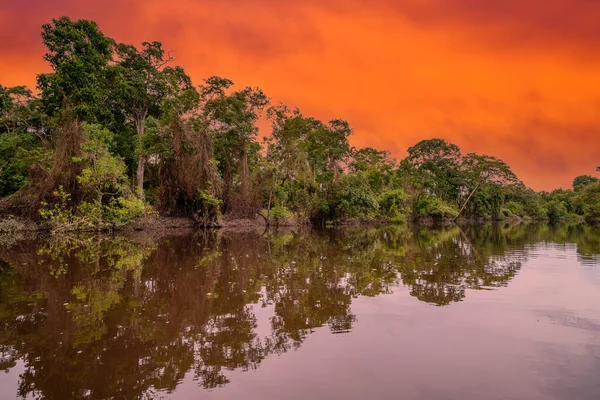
pixel 488 311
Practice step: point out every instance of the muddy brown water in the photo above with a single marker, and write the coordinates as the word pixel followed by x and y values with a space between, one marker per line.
pixel 509 311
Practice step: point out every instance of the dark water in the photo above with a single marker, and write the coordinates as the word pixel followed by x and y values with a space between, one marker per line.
pixel 491 311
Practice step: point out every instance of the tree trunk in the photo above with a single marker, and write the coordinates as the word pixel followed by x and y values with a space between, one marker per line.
pixel 99 226
pixel 140 175
pixel 227 179
pixel 271 196
pixel 139 126
pixel 244 175
pixel 466 201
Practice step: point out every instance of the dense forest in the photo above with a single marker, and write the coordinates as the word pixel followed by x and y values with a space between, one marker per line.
pixel 115 132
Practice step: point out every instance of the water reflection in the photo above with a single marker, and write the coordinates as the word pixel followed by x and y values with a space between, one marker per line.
pixel 129 316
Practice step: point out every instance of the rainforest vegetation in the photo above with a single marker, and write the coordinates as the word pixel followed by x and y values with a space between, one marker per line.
pixel 115 132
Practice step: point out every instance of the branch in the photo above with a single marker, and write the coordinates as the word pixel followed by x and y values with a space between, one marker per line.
pixel 466 201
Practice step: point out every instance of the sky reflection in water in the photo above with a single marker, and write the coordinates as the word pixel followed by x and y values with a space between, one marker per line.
pixel 500 311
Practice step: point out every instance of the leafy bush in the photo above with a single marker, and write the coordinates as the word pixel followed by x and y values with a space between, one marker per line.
pixel 280 212
pixel 351 198
pixel 392 205
pixel 124 209
pixel 208 207
pixel 590 200
pixel 59 214
pixel 18 151
pixel 506 213
pixel 515 209
pixel 434 207
pixel 106 196
pixel 556 209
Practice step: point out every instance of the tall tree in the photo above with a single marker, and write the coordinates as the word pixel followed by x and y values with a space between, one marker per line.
pixel 141 87
pixel 285 151
pixel 79 55
pixel 231 118
pixel 22 137
pixel 19 110
pixel 437 164
pixel 582 181
pixel 482 169
pixel 76 91
pixel 328 150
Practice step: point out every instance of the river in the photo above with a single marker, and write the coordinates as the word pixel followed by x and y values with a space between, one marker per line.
pixel 494 311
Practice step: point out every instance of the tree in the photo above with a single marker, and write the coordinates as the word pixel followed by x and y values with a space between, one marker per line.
pixel 582 181
pixel 328 150
pixel 231 117
pixel 141 86
pixel 482 169
pixel 23 137
pixel 19 111
pixel 76 91
pixel 377 166
pixel 286 155
pixel 433 151
pixel 590 198
pixel 365 158
pixel 103 190
pixel 436 164
pixel 80 56
pixel 556 210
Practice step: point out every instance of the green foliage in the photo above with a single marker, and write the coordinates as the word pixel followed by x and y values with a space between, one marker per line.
pixel 393 205
pixel 123 209
pixel 111 114
pixel 59 214
pixel 590 198
pixel 20 111
pixel 556 210
pixel 506 213
pixel 22 137
pixel 434 207
pixel 208 206
pixel 280 212
pixel 582 181
pixel 230 117
pixel 434 165
pixel 79 55
pixel 353 198
pixel 106 195
pixel 103 174
pixel 514 209
pixel 532 204
pixel 18 152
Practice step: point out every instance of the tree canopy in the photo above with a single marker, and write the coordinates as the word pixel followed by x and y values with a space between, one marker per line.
pixel 112 119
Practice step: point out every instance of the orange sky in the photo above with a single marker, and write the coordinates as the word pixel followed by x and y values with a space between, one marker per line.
pixel 517 79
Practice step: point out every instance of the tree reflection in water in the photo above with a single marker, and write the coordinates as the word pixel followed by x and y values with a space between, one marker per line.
pixel 128 316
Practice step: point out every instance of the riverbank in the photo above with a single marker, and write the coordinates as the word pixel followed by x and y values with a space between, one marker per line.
pixel 152 223
pixel 158 223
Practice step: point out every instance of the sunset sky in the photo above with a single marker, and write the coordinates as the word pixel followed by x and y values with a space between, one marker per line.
pixel 517 79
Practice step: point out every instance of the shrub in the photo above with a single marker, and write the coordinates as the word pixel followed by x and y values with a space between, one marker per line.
pixel 106 198
pixel 208 208
pixel 280 212
pixel 590 200
pixel 434 207
pixel 124 209
pixel 350 198
pixel 392 205
pixel 516 209
pixel 506 213
pixel 556 209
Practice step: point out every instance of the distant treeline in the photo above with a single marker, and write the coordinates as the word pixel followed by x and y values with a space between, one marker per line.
pixel 118 131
